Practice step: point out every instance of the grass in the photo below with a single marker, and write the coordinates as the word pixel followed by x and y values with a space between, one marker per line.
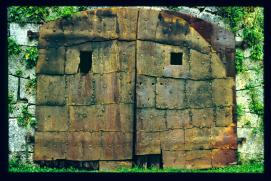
pixel 244 168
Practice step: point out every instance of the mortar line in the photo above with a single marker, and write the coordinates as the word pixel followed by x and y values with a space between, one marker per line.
pixel 135 96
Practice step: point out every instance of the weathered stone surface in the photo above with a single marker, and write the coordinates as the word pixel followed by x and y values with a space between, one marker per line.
pixel 126 53
pixel 26 92
pixel 118 117
pixel 221 158
pixel 224 116
pixel 149 53
pixel 84 146
pixel 50 145
pixel 198 159
pixel 145 90
pixel 51 90
pixel 16 136
pixel 13 86
pixel 52 118
pixel 147 24
pixel 200 65
pixel 172 139
pixel 170 93
pixel 203 117
pixel 51 61
pixel 51 34
pixel 175 71
pixel 113 165
pixel 223 91
pixel 147 143
pixel 81 89
pixel 86 118
pixel 116 146
pixel 106 88
pixel 126 87
pixel 217 66
pixel 173 159
pixel 150 120
pixel 199 94
pixel 224 137
pixel 178 119
pixel 127 23
pixel 197 138
pixel 19 33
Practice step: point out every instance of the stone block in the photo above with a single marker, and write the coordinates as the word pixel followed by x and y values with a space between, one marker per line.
pixel 114 165
pixel 197 138
pixel 224 116
pixel 51 34
pixel 178 119
pixel 16 136
pixel 52 118
pixel 126 55
pixel 18 107
pixel 223 91
pixel 145 90
pixel 81 89
pixel 127 23
pixel 218 68
pixel 106 88
pixel 199 94
pixel 173 159
pixel 84 146
pixel 170 93
pixel 221 158
pixel 147 24
pixel 172 139
pixel 200 65
pixel 147 143
pixel 171 29
pixel 118 117
pixel 126 86
pixel 175 71
pixel 150 58
pixel 86 118
pixel 13 86
pixel 116 146
pixel 50 145
pixel 203 117
pixel 51 61
pixel 198 159
pixel 224 137
pixel 51 90
pixel 151 120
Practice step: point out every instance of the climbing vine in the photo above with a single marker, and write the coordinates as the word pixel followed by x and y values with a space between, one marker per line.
pixel 13 47
pixel 30 57
pixel 25 119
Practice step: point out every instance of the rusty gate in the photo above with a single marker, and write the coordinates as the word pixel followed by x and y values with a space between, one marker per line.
pixel 117 86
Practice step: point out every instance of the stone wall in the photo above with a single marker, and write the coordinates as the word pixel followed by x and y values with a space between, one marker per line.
pixel 20 144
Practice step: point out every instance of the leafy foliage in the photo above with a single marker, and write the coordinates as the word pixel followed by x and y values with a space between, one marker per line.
pixel 10 103
pixel 31 84
pixel 25 14
pixel 239 58
pixel 25 119
pixel 31 57
pixel 13 47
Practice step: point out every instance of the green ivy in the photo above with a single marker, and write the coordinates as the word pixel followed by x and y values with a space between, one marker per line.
pixel 19 72
pixel 31 84
pixel 13 47
pixel 11 103
pixel 31 57
pixel 25 119
pixel 26 14
pixel 239 59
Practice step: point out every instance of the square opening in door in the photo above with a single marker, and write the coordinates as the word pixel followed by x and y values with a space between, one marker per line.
pixel 176 58
pixel 85 62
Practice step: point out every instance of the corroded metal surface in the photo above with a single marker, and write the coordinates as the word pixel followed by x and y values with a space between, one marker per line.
pixel 134 105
